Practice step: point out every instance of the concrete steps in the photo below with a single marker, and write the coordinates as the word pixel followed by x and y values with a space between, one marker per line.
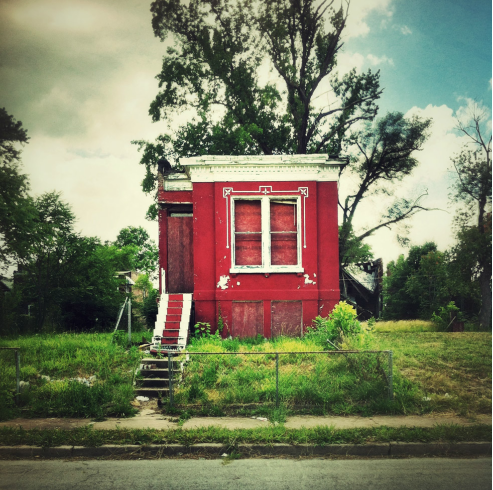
pixel 153 379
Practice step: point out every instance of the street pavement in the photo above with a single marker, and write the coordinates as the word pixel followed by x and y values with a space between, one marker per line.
pixel 265 474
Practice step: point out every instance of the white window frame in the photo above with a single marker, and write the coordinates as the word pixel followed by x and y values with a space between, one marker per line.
pixel 266 266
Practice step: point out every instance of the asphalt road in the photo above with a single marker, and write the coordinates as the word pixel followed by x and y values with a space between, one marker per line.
pixel 285 474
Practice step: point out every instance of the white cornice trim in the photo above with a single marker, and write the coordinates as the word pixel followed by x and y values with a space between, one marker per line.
pixel 290 168
pixel 183 184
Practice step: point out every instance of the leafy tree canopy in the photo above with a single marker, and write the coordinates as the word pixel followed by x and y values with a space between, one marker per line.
pixel 218 69
pixel 16 207
pixel 415 286
pixel 261 78
pixel 146 253
pixel 69 279
pixel 471 256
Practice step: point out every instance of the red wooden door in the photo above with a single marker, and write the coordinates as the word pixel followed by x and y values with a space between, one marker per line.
pixel 180 254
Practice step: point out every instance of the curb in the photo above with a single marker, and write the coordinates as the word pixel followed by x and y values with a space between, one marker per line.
pixel 393 449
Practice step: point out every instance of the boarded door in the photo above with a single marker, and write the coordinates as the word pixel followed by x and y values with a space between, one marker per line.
pixel 248 318
pixel 287 318
pixel 180 253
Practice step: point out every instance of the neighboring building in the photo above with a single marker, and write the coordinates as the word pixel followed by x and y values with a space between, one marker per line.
pixel 253 239
pixel 127 280
pixel 361 286
pixel 6 285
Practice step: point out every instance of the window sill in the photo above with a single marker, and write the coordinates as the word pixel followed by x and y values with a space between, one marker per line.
pixel 266 270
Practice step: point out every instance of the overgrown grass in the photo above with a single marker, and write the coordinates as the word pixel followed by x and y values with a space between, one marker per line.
pixel 433 372
pixel 452 370
pixel 62 357
pixel 404 326
pixel 339 384
pixel 86 436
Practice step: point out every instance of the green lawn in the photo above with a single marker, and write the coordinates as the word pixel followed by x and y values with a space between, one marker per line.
pixel 433 372
pixel 62 357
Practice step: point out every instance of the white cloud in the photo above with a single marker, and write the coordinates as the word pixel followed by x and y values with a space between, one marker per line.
pixel 359 11
pixel 433 174
pixel 405 30
pixel 375 60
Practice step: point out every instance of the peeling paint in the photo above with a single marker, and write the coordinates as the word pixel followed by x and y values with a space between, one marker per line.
pixel 308 280
pixel 314 275
pixel 223 282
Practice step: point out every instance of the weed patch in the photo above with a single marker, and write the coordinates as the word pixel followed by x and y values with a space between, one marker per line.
pixel 69 375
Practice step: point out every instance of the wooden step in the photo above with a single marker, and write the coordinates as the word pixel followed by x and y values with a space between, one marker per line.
pixel 173 318
pixel 152 383
pixel 172 325
pixel 152 392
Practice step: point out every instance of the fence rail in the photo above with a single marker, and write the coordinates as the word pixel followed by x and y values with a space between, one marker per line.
pixel 388 376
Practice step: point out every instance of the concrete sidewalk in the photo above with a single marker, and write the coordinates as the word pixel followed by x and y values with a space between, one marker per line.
pixel 149 418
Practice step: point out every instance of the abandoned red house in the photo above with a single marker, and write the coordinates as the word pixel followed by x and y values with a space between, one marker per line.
pixel 250 240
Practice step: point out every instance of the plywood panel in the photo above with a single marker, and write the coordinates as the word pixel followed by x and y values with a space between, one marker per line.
pixel 283 216
pixel 180 254
pixel 248 318
pixel 248 216
pixel 284 238
pixel 284 249
pixel 287 318
pixel 248 237
pixel 248 249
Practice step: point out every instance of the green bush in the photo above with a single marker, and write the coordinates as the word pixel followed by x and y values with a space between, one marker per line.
pixel 442 320
pixel 340 324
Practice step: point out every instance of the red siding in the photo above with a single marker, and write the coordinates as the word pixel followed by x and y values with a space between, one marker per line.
pixel 266 303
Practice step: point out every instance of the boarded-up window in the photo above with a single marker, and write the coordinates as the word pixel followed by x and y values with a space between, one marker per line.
pixel 283 233
pixel 248 233
pixel 286 318
pixel 266 234
pixel 248 318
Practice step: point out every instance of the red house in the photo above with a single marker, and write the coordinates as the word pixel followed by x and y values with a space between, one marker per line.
pixel 250 239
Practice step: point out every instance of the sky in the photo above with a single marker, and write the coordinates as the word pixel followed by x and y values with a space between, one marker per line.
pixel 80 75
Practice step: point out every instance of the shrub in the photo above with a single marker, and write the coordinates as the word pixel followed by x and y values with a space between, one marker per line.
pixel 341 323
pixel 445 313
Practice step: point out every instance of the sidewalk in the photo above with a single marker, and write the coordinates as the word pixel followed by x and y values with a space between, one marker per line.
pixel 148 418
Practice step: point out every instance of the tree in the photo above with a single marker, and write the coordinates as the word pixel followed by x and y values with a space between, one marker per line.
pixel 217 63
pixel 70 279
pixel 417 286
pixel 16 208
pixel 385 155
pixel 146 253
pixel 144 285
pixel 216 72
pixel 472 190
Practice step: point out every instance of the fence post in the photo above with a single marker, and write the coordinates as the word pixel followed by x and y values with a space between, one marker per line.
pixel 170 379
pixel 129 321
pixel 17 375
pixel 277 380
pixel 391 384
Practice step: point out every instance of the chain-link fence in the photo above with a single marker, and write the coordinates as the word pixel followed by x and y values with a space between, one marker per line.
pixel 317 378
